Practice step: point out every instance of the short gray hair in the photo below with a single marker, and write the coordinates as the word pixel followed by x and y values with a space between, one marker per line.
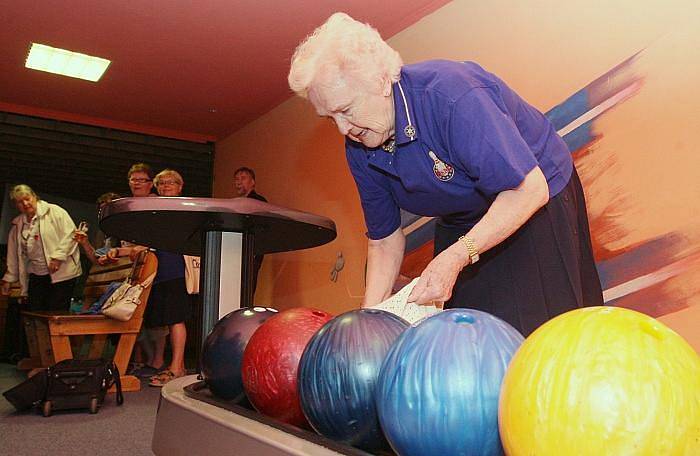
pixel 347 46
pixel 21 190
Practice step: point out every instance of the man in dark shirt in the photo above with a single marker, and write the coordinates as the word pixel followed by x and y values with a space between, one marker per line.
pixel 244 182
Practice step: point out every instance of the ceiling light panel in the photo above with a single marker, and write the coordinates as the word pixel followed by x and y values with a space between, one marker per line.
pixel 66 63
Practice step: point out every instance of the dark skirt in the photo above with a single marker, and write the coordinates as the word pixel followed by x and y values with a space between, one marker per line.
pixel 542 270
pixel 168 304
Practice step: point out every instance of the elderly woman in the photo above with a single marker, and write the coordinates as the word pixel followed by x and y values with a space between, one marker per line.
pixel 169 304
pixel 41 252
pixel 451 140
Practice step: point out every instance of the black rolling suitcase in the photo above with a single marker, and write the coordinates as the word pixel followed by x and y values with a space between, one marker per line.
pixel 29 393
pixel 80 384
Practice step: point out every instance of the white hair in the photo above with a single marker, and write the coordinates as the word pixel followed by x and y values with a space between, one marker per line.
pixel 20 191
pixel 344 45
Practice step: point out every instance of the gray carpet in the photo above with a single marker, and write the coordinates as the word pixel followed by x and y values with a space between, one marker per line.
pixel 125 430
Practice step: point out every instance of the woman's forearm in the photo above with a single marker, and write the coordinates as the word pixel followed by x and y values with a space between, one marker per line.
pixel 384 258
pixel 509 211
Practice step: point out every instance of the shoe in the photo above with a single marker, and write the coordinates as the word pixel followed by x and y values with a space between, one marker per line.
pixel 164 377
pixel 147 371
pixel 134 367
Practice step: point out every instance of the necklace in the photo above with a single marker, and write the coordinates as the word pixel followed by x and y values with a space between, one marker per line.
pixel 390 146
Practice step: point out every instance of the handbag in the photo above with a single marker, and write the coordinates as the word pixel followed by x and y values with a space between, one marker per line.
pixel 124 300
pixel 192 267
pixel 96 306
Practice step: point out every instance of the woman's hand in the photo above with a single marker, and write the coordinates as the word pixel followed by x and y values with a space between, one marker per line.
pixel 104 259
pixel 134 253
pixel 54 265
pixel 5 289
pixel 438 278
pixel 80 237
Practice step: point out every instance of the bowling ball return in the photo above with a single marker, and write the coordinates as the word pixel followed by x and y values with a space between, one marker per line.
pixel 191 420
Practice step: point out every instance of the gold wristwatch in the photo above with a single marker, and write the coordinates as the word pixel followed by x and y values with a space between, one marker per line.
pixel 471 248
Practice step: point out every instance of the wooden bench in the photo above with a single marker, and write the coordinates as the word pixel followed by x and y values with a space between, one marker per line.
pixel 49 333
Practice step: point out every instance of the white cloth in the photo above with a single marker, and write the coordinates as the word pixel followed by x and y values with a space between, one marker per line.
pixel 33 248
pixel 56 231
pixel 410 311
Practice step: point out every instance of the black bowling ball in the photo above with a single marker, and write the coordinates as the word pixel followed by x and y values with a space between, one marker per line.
pixel 223 349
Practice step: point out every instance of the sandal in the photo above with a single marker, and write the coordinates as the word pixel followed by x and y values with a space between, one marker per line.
pixel 148 371
pixel 164 377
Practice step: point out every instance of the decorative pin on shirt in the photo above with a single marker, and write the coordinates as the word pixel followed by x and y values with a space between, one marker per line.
pixel 442 170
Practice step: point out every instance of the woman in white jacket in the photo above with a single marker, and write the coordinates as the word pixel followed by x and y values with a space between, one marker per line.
pixel 41 252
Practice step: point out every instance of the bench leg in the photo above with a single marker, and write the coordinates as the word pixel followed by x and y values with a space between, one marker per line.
pixel 121 359
pixel 61 348
pixel 34 360
pixel 43 342
pixel 97 346
pixel 123 352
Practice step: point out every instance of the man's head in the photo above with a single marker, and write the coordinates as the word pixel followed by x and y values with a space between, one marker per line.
pixel 244 181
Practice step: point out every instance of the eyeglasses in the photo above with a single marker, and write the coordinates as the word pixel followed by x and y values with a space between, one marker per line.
pixel 168 182
pixel 139 180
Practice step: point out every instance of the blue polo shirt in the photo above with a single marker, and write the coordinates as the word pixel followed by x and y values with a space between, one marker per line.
pixel 472 138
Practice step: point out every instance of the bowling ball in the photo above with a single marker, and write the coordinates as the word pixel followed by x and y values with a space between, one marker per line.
pixel 338 375
pixel 222 353
pixel 271 362
pixel 602 380
pixel 438 388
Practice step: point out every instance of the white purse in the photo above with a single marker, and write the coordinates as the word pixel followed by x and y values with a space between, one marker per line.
pixel 122 304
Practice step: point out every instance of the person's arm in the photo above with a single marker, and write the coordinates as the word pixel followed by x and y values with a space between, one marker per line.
pixel 12 274
pixel 65 230
pixel 509 211
pixel 130 251
pixel 81 238
pixel 384 258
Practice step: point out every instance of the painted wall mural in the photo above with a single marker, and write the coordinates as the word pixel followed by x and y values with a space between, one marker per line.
pixel 643 264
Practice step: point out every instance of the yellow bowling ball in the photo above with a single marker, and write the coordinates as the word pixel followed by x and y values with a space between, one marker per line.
pixel 602 381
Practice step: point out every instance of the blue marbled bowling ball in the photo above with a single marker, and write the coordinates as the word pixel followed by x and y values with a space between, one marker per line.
pixel 338 373
pixel 438 388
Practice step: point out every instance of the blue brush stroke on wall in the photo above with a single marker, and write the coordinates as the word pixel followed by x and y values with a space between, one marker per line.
pixel 420 236
pixel 571 109
pixel 641 260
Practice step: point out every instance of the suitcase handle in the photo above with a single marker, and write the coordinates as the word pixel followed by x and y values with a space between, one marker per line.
pixel 118 384
pixel 69 374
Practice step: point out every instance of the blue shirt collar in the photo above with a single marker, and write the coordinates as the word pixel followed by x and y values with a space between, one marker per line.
pixel 403 111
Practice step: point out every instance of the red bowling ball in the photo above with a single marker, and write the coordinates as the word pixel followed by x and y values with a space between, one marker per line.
pixel 271 361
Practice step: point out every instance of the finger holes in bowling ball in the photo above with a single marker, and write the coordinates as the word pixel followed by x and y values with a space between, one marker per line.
pixel 319 314
pixel 464 319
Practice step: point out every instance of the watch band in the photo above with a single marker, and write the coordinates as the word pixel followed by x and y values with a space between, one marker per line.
pixel 471 248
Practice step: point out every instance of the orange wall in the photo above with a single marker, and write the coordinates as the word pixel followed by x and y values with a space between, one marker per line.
pixel 546 51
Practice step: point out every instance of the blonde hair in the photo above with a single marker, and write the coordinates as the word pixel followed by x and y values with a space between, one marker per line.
pixel 346 46
pixel 168 172
pixel 21 190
